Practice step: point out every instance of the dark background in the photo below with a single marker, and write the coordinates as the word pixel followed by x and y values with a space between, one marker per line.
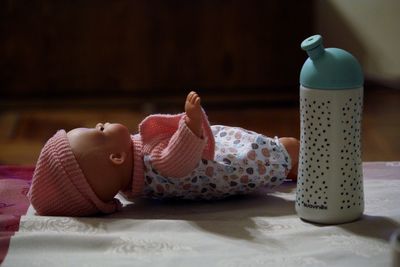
pixel 64 49
pixel 67 64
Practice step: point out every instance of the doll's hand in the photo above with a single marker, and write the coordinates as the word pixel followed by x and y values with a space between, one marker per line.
pixel 193 113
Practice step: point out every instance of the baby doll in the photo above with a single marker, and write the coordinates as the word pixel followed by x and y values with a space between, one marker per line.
pixel 80 172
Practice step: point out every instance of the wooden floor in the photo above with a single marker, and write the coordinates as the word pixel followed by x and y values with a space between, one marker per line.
pixel 25 129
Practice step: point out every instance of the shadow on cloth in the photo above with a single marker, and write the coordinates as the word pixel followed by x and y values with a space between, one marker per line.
pixel 377 227
pixel 231 217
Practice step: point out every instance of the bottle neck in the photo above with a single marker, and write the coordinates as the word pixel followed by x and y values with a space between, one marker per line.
pixel 316 52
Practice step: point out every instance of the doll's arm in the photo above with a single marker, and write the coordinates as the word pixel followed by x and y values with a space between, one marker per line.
pixel 194 114
pixel 178 157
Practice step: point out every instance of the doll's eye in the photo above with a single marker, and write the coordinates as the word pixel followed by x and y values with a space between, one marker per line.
pixel 100 126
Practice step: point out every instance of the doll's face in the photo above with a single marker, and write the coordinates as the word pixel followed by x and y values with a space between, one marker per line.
pixel 111 137
pixel 104 154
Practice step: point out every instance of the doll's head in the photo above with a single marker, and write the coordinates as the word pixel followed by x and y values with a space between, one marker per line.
pixel 79 173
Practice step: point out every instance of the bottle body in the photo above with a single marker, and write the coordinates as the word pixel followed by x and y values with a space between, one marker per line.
pixel 330 178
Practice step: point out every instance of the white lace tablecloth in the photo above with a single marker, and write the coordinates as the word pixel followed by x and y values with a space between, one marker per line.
pixel 256 230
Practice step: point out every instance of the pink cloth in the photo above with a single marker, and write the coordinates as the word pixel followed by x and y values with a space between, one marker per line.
pixel 14 185
pixel 59 186
pixel 158 128
pixel 174 149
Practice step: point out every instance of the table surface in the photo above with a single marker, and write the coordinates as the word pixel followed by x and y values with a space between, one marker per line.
pixel 256 230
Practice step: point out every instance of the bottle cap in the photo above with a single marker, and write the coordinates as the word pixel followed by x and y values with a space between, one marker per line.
pixel 329 68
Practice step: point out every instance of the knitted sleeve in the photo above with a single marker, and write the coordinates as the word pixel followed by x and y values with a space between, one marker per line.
pixel 178 156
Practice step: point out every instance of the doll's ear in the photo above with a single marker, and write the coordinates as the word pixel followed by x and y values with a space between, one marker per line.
pixel 118 158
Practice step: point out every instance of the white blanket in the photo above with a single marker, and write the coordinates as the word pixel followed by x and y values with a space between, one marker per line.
pixel 256 230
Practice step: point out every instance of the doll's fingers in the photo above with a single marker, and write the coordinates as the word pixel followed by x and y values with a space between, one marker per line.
pixel 193 97
pixel 190 97
pixel 197 100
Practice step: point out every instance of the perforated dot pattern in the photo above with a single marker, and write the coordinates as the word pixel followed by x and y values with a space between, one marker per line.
pixel 350 163
pixel 330 149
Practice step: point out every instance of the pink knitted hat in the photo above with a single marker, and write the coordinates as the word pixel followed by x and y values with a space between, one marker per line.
pixel 59 186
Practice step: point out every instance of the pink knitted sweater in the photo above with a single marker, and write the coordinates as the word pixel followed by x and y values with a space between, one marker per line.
pixel 173 148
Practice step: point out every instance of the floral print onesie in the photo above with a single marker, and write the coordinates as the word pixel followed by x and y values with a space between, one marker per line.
pixel 244 161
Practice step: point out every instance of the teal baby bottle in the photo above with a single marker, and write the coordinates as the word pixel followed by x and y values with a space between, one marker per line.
pixel 330 177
